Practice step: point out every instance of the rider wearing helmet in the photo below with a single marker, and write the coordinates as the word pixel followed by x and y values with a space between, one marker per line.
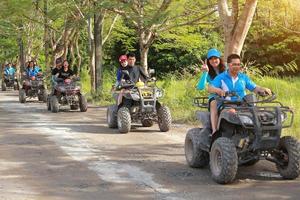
pixel 123 66
pixel 65 72
pixel 55 71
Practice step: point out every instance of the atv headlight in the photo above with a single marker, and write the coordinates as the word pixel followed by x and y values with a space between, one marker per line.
pixel 135 96
pixel 159 93
pixel 246 120
pixel 283 116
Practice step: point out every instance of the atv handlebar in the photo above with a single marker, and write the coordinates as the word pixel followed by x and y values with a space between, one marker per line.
pixel 269 98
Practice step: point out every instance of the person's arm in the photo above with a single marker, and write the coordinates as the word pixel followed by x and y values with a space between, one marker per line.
pixel 261 90
pixel 215 86
pixel 119 74
pixel 5 71
pixel 214 90
pixel 72 74
pixel 202 81
pixel 250 85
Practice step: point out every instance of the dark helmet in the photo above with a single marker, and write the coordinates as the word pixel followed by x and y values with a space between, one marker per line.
pixel 58 60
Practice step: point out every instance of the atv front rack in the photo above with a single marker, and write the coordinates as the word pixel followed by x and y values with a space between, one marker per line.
pixel 281 116
pixel 201 102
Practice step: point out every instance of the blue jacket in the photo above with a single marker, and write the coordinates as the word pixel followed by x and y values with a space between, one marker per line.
pixel 205 78
pixel 32 72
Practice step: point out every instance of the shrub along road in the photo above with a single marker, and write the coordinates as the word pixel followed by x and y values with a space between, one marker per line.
pixel 73 155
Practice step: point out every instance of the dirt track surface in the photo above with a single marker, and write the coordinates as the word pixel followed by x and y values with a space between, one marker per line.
pixel 73 155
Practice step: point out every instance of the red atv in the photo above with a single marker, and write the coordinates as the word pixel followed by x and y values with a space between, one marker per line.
pixel 67 93
pixel 33 87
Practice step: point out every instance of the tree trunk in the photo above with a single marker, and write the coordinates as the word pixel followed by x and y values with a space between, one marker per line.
pixel 146 39
pixel 79 58
pixel 46 34
pixel 144 57
pixel 92 56
pixel 236 30
pixel 21 52
pixel 98 34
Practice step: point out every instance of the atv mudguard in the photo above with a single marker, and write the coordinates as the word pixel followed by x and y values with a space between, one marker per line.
pixel 206 139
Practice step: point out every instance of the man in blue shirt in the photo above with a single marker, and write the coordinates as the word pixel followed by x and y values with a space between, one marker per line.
pixel 232 80
pixel 9 70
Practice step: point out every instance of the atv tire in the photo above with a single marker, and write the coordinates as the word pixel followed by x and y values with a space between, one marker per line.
pixel 194 155
pixel 3 86
pixel 16 86
pixel 82 103
pixel 111 116
pixel 49 103
pixel 124 120
pixel 164 118
pixel 147 123
pixel 22 96
pixel 54 104
pixel 45 95
pixel 223 161
pixel 291 148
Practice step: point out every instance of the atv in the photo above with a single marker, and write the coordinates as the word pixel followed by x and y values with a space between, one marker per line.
pixel 33 87
pixel 248 130
pixel 67 93
pixel 139 104
pixel 9 81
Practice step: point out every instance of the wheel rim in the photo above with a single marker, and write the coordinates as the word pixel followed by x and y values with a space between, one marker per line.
pixel 284 156
pixel 217 162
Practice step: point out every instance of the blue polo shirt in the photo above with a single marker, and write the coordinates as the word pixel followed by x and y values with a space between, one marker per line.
pixel 238 85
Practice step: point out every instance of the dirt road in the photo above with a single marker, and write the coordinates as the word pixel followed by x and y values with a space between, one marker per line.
pixel 73 155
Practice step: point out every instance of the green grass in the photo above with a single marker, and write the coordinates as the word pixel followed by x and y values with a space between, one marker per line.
pixel 180 91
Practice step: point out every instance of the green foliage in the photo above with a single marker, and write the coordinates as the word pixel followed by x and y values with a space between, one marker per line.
pixel 273 40
pixel 273 71
pixel 182 48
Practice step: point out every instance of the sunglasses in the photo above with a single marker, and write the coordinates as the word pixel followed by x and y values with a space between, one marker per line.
pixel 236 64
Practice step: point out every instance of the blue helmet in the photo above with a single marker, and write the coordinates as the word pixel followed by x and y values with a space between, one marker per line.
pixel 213 53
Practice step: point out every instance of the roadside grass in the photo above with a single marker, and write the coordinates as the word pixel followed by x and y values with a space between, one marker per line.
pixel 180 90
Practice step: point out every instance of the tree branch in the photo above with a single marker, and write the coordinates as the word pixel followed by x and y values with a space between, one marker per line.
pixel 235 9
pixel 42 23
pixel 191 22
pixel 110 29
pixel 123 13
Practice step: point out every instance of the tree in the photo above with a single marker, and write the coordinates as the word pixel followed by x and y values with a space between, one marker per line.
pixel 97 38
pixel 236 26
pixel 150 18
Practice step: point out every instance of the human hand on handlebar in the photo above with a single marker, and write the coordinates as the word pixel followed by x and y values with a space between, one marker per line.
pixel 220 92
pixel 264 91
